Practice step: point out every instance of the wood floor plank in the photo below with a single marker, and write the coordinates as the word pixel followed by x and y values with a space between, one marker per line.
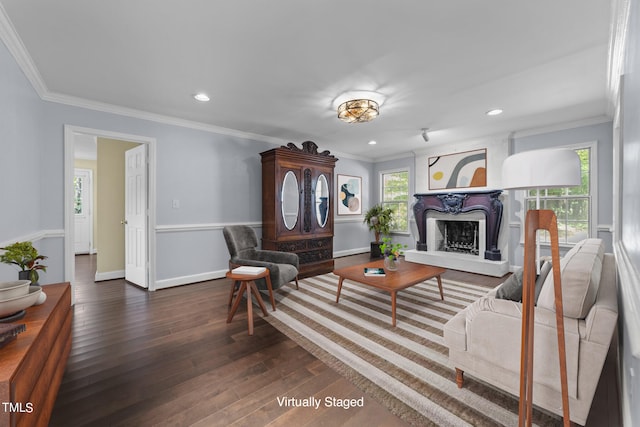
pixel 169 358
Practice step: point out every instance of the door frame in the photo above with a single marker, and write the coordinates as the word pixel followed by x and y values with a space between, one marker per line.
pixel 69 144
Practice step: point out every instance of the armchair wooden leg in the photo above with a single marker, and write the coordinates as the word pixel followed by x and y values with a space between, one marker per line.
pixel 297 283
pixel 459 377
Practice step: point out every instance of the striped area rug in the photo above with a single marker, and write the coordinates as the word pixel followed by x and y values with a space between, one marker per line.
pixel 405 368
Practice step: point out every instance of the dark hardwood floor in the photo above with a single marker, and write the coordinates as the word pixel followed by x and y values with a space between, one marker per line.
pixel 169 358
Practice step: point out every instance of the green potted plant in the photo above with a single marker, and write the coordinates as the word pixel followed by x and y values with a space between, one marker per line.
pixel 25 256
pixel 378 219
pixel 392 252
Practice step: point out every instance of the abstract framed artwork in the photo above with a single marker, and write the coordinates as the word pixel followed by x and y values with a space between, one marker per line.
pixel 458 170
pixel 349 195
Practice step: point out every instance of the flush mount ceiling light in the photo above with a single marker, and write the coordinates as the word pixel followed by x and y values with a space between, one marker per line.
pixel 372 142
pixel 202 97
pixel 358 110
pixel 494 112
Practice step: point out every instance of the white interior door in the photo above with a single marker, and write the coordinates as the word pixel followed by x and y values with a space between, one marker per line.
pixel 83 212
pixel 135 222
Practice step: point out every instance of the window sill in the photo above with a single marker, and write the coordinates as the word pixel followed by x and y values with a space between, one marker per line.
pixel 547 245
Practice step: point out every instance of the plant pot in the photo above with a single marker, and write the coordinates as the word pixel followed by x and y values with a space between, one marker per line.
pixel 391 263
pixel 375 250
pixel 27 275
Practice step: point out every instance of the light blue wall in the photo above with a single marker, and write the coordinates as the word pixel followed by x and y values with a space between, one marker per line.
pixel 629 244
pixel 216 178
pixel 351 234
pixel 603 134
pixel 406 163
pixel 21 156
pixel 20 152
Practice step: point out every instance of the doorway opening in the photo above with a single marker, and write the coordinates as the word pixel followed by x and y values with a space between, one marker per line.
pixel 146 235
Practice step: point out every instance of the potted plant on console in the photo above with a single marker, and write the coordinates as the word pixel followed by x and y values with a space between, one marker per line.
pixel 392 252
pixel 25 256
pixel 378 219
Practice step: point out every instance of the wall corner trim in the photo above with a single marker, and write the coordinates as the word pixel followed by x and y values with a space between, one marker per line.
pixel 630 295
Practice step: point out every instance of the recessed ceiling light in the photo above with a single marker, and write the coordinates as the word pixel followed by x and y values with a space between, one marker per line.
pixel 372 142
pixel 494 112
pixel 202 97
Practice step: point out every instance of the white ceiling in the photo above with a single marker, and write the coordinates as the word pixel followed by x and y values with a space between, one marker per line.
pixel 275 68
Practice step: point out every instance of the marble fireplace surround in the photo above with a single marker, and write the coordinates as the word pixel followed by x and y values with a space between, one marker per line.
pixel 451 203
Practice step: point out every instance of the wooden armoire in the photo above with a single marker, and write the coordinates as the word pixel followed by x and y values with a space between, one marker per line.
pixel 297 205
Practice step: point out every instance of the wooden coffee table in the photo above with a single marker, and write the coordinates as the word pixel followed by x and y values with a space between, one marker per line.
pixel 407 275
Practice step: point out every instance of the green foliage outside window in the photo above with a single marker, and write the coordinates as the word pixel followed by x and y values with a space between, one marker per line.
pixel 572 205
pixel 77 195
pixel 395 195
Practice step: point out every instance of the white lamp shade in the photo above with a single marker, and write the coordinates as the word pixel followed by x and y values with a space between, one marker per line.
pixel 558 167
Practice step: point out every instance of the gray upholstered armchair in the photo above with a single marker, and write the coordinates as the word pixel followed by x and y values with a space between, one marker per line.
pixel 242 243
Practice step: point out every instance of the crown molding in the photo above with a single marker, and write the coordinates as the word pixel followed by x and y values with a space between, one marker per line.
pixel 158 118
pixel 461 145
pixel 562 126
pixel 18 50
pixel 403 155
pixel 9 36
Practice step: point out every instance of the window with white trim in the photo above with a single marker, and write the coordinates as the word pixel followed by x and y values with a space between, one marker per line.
pixel 395 195
pixel 572 205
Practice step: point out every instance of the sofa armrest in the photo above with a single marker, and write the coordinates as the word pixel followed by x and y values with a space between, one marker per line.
pixel 603 316
pixel 494 328
pixel 453 332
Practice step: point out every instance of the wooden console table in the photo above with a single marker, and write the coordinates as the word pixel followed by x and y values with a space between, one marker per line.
pixel 32 365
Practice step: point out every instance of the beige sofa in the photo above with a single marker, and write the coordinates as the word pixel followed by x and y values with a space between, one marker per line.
pixel 484 338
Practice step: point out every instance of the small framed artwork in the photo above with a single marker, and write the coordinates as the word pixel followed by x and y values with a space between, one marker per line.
pixel 349 195
pixel 458 170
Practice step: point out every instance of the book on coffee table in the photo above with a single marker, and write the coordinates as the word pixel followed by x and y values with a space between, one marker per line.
pixel 374 272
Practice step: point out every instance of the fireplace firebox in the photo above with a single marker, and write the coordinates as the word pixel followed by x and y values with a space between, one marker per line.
pixel 458 236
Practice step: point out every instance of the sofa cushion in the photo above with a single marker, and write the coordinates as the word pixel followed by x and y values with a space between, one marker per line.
pixel 580 269
pixel 542 277
pixel 511 288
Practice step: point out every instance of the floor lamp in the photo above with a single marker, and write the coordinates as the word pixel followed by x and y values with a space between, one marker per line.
pixel 528 170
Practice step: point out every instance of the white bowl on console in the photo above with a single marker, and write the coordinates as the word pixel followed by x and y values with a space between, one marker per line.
pixel 14 305
pixel 17 288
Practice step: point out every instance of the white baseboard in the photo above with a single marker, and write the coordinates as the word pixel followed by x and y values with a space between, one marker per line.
pixel 109 275
pixel 186 280
pixel 348 252
pixel 219 274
